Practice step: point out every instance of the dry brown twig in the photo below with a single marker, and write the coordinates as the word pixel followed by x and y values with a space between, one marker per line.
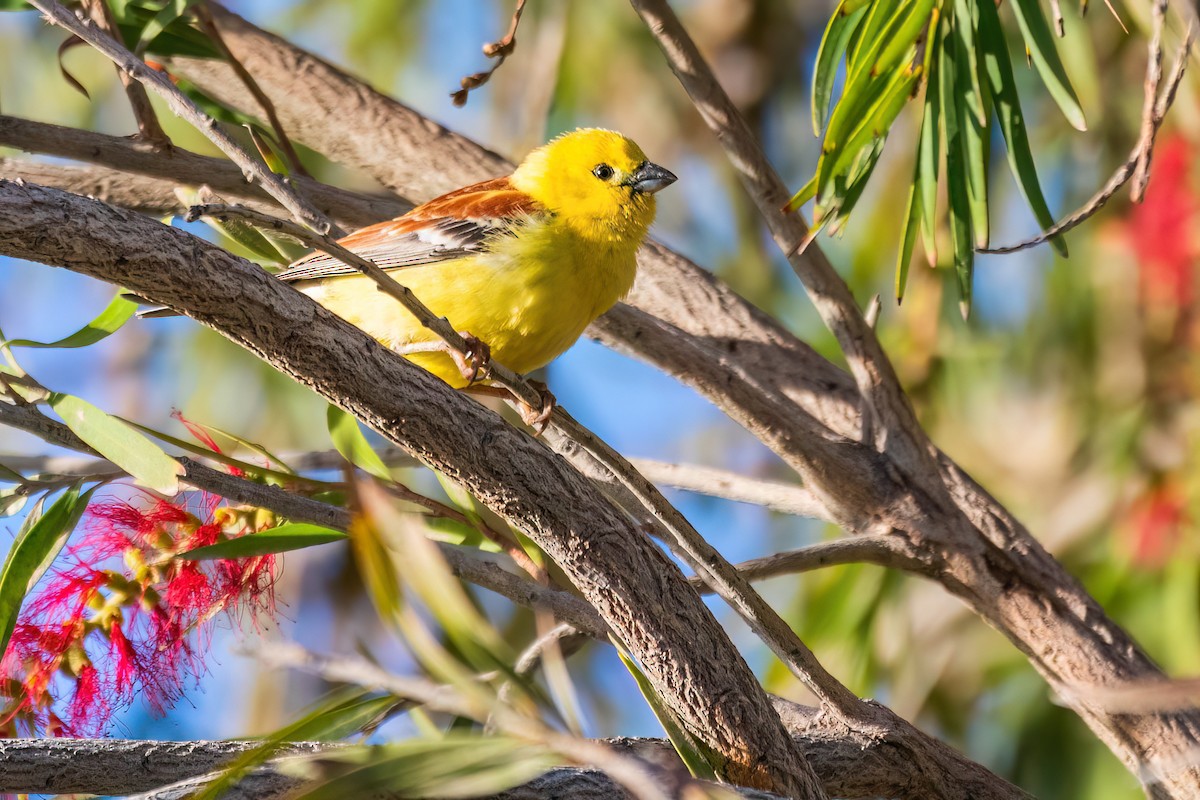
pixel 1137 165
pixel 204 16
pixel 183 106
pixel 149 128
pixel 500 50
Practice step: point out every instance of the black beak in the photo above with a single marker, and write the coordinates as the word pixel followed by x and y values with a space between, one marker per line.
pixel 649 178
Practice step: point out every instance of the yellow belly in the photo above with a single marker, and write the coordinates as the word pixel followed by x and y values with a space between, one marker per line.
pixel 529 298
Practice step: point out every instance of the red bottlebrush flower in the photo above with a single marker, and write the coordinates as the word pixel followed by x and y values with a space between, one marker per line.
pixel 1162 228
pixel 200 434
pixel 140 626
pixel 1155 523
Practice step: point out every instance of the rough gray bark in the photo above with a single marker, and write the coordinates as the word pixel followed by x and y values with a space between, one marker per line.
pixel 803 407
pixel 640 593
pixel 851 766
pixel 180 167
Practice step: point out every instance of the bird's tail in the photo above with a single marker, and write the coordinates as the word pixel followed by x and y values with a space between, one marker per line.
pixel 150 311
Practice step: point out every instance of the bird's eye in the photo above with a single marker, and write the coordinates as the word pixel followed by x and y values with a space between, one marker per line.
pixel 603 172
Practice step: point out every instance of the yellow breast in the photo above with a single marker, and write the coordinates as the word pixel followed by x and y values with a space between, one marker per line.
pixel 529 297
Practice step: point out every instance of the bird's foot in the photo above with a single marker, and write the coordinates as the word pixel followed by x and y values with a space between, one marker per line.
pixel 538 418
pixel 475 362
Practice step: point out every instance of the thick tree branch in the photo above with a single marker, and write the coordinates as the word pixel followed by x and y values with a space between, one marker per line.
pixel 993 564
pixel 177 167
pixel 900 435
pixel 688 658
pixel 179 103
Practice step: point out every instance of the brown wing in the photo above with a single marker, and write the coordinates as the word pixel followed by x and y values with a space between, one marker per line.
pixel 462 222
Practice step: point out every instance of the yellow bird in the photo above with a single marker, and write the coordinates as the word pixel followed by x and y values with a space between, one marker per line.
pixel 522 264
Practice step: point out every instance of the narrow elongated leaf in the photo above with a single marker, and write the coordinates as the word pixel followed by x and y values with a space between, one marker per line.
pixel 864 88
pixel 965 24
pixel 1003 88
pixel 862 47
pixel 974 135
pixel 239 231
pixel 456 765
pixel 1043 48
pixel 349 440
pixel 341 714
pixel 12 500
pixel 956 177
pixel 689 753
pixel 911 25
pixel 119 443
pixel 280 539
pixel 115 314
pixel 841 27
pixel 912 215
pixel 807 192
pixel 171 11
pixel 874 126
pixel 39 541
pixel 928 147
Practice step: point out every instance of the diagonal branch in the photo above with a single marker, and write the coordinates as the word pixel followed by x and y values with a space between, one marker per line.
pixel 900 435
pixel 159 83
pixel 178 167
pixel 688 658
pixel 139 102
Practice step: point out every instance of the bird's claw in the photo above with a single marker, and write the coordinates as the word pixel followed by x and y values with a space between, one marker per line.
pixel 538 418
pixel 475 362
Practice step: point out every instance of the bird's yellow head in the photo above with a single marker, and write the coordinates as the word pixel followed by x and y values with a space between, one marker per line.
pixel 597 181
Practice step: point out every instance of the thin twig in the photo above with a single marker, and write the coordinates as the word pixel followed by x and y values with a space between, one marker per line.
pixel 898 431
pixel 499 50
pixel 1139 156
pixel 182 167
pixel 183 106
pixel 1141 174
pixel 205 17
pixel 467 563
pixel 878 549
pixel 786 498
pixel 149 128
pixel 687 543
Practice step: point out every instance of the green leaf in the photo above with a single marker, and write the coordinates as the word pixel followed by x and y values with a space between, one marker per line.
pixel 280 539
pixel 15 5
pixel 1042 47
pixel 807 192
pixel 833 46
pixel 119 443
pixel 690 752
pixel 177 38
pixel 965 22
pixel 39 541
pixel 171 12
pixel 862 48
pixel 13 500
pixel 342 713
pixel 956 177
pixel 975 139
pixel 999 74
pixel 455 765
pixel 115 314
pixel 349 440
pixel 912 23
pixel 912 214
pixel 928 152
pixel 236 230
